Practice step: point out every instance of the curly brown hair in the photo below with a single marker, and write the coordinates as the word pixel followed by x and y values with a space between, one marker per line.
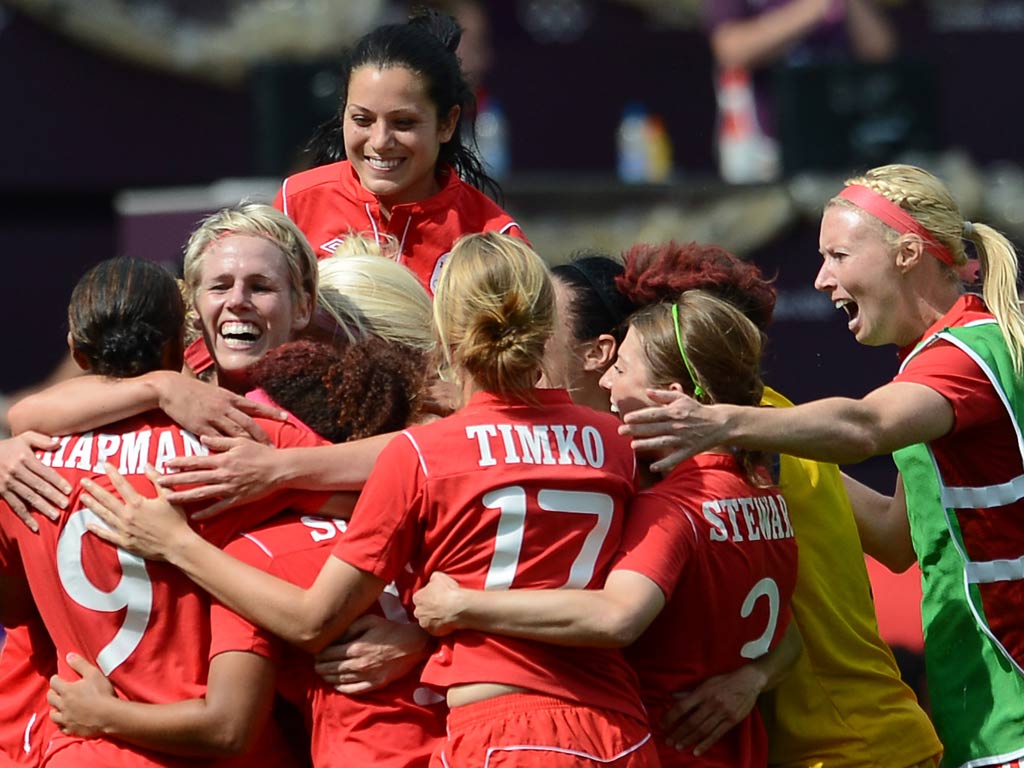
pixel 656 273
pixel 368 388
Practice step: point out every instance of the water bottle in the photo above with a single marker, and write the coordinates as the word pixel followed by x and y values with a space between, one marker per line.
pixel 633 145
pixel 745 154
pixel 492 139
pixel 659 149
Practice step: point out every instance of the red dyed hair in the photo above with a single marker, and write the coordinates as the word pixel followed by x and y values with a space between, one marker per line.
pixel 662 273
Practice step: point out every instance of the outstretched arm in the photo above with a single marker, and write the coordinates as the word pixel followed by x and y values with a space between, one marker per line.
pixel 152 528
pixel 837 430
pixel 239 696
pixel 612 617
pixel 240 470
pixel 81 404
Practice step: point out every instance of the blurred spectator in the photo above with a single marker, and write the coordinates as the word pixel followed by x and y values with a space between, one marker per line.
pixel 749 37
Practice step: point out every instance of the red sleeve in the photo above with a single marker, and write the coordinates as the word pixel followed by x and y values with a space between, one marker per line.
pixel 949 371
pixel 279 200
pixel 384 531
pixel 10 556
pixel 231 632
pixel 658 540
pixel 514 230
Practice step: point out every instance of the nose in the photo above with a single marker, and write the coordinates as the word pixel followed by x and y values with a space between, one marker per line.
pixel 605 382
pixel 824 281
pixel 238 295
pixel 380 135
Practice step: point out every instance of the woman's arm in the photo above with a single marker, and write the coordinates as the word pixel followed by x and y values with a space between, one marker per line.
pixel 152 528
pixel 239 470
pixel 239 697
pixel 612 617
pixel 702 716
pixel 26 484
pixel 872 34
pixel 763 38
pixel 81 404
pixel 836 430
pixel 882 523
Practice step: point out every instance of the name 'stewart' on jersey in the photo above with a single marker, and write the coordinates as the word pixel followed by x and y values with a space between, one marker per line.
pixel 748 519
pixel 537 444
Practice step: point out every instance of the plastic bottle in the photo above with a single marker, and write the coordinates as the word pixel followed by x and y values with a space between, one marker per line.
pixel 492 139
pixel 659 151
pixel 633 145
pixel 745 154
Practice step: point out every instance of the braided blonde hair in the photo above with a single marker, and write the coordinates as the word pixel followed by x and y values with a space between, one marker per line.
pixel 927 199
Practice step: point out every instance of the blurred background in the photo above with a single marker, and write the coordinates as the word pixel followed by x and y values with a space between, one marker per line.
pixel 609 122
pixel 126 120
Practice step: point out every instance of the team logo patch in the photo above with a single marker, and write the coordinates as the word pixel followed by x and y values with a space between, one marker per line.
pixel 332 245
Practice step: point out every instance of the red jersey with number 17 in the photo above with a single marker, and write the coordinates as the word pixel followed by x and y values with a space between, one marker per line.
pixel 722 550
pixel 505 495
pixel 144 624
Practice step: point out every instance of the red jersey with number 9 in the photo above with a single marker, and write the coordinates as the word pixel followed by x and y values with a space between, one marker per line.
pixel 505 495
pixel 144 624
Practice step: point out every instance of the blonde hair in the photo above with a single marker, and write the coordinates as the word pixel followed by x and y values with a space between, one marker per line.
pixel 723 347
pixel 494 310
pixel 256 220
pixel 371 295
pixel 927 199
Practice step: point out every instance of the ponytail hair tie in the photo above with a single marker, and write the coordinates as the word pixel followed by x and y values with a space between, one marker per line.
pixel 968 228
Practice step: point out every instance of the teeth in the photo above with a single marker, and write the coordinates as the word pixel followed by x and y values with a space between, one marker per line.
pixel 614 408
pixel 236 328
pixel 382 165
pixel 842 303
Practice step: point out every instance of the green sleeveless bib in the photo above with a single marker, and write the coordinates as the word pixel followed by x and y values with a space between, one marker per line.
pixel 976 687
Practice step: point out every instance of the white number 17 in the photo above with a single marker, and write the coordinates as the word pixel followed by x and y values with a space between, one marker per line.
pixel 511 504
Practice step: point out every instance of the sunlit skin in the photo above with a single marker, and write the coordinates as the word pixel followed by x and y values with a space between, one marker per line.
pixel 869 279
pixel 393 134
pixel 628 379
pixel 246 304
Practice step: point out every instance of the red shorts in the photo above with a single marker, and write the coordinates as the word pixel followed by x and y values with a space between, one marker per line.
pixel 534 730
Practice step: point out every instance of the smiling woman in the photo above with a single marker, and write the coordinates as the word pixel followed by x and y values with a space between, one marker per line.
pixel 892 244
pixel 394 162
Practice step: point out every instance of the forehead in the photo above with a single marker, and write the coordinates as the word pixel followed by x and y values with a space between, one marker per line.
pixel 387 89
pixel 243 255
pixel 843 225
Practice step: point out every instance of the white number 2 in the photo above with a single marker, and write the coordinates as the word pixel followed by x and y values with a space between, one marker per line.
pixel 766 587
pixel 133 591
pixel 511 504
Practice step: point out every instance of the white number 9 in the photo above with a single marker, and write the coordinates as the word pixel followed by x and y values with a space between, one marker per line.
pixel 134 591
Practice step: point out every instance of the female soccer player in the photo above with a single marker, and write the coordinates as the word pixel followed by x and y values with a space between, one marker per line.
pixel 402 166
pixel 891 243
pixel 518 489
pixel 708 560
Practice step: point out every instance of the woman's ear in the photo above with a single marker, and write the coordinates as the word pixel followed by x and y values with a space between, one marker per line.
pixel 446 127
pixel 675 386
pixel 80 360
pixel 303 312
pixel 600 353
pixel 909 252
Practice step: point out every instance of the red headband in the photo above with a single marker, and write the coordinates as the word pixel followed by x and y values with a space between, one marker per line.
pixel 886 211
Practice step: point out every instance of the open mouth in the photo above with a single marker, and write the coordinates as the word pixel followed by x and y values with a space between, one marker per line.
pixel 850 307
pixel 239 335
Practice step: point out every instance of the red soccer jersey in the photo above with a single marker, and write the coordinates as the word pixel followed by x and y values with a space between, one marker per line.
pixel 328 202
pixel 27 661
pixel 505 495
pixel 396 727
pixel 981 449
pixel 723 553
pixel 144 624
